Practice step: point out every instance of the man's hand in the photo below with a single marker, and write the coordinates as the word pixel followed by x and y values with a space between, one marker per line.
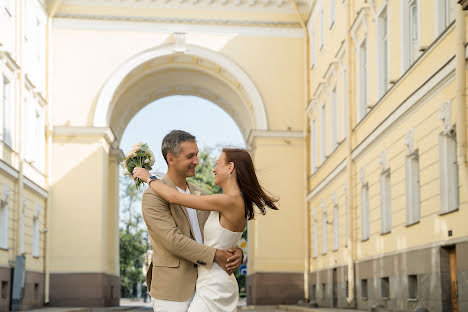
pixel 234 262
pixel 221 258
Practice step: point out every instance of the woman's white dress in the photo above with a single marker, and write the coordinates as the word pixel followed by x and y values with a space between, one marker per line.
pixel 216 291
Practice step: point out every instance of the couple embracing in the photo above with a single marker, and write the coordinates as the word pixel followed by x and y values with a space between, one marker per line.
pixel 194 237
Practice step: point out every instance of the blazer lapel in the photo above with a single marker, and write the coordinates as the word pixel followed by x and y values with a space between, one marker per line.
pixel 169 182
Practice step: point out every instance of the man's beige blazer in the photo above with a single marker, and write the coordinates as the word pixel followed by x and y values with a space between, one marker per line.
pixel 176 255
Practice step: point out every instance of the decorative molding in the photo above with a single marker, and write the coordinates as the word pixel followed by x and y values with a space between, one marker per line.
pixel 464 4
pixel 362 176
pixel 383 160
pixel 69 131
pixel 445 115
pixel 325 182
pixel 361 19
pixel 272 29
pixel 5 195
pixel 180 44
pixel 334 199
pixel 324 208
pixel 440 78
pixel 104 103
pixel 37 211
pixel 6 168
pixel 36 188
pixel 409 141
pixel 274 134
pixel 9 61
pixel 267 6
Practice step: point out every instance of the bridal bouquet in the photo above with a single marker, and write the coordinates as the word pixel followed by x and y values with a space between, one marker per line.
pixel 139 156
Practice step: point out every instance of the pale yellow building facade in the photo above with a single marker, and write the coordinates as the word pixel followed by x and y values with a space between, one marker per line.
pixel 350 109
pixel 387 168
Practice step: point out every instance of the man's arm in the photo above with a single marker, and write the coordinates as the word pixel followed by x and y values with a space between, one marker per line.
pixel 162 226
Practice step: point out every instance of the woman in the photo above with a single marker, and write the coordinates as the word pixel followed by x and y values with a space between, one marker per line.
pixel 235 174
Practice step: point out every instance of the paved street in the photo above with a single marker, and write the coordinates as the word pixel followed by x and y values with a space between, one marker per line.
pixel 127 305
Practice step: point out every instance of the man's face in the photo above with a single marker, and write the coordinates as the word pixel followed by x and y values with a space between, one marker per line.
pixel 185 162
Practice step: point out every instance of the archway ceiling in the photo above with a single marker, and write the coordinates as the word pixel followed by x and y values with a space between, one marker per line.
pixel 272 13
pixel 168 80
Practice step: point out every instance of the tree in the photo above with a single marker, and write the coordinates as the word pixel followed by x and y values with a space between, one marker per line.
pixel 133 238
pixel 204 176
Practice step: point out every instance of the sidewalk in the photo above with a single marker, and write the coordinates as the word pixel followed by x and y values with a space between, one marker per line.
pixel 293 308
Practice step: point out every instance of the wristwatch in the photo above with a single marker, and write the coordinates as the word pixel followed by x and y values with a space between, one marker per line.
pixel 150 179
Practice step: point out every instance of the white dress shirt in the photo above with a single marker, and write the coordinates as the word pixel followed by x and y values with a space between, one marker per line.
pixel 193 218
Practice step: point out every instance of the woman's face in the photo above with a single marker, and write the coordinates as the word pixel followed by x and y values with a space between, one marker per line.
pixel 221 170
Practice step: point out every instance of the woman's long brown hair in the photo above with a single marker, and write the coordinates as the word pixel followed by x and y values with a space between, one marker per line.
pixel 247 180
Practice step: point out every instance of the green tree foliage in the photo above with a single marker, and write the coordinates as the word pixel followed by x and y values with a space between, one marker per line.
pixel 204 176
pixel 133 238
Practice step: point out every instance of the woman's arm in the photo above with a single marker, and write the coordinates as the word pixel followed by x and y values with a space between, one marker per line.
pixel 215 202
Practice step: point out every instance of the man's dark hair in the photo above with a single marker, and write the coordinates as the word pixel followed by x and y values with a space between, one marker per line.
pixel 172 140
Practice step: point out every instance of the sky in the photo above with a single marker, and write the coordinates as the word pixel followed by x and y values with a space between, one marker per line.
pixel 210 124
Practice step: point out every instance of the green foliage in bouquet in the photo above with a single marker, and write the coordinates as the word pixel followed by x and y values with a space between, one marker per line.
pixel 139 156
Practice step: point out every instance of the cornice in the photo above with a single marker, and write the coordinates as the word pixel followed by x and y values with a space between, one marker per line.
pixel 173 25
pixel 274 134
pixel 70 131
pixel 274 6
pixel 177 20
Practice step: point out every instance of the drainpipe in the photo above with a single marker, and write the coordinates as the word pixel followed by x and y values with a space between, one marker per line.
pixel 51 13
pixel 306 153
pixel 349 146
pixel 460 100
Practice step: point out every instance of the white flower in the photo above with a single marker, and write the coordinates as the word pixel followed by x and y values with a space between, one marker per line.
pixel 147 161
pixel 126 172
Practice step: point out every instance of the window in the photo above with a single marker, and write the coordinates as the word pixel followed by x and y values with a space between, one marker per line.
pixel 414 30
pixel 323 132
pixel 382 46
pixel 313 50
pixel 362 80
pixel 409 33
pixel 449 192
pixel 364 289
pixel 313 294
pixel 332 12
pixel 385 288
pixel 322 29
pixel 412 287
pixel 344 108
pixel 315 232
pixel 336 226
pixel 324 229
pixel 313 145
pixel 446 11
pixel 6 111
pixel 385 202
pixel 7 21
pixel 4 289
pixel 324 290
pixel 334 119
pixel 412 188
pixel 36 232
pixel 4 218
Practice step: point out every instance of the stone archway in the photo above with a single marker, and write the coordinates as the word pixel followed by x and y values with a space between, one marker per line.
pixel 163 72
pixel 187 70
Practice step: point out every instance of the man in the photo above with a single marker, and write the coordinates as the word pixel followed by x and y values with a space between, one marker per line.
pixel 176 233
